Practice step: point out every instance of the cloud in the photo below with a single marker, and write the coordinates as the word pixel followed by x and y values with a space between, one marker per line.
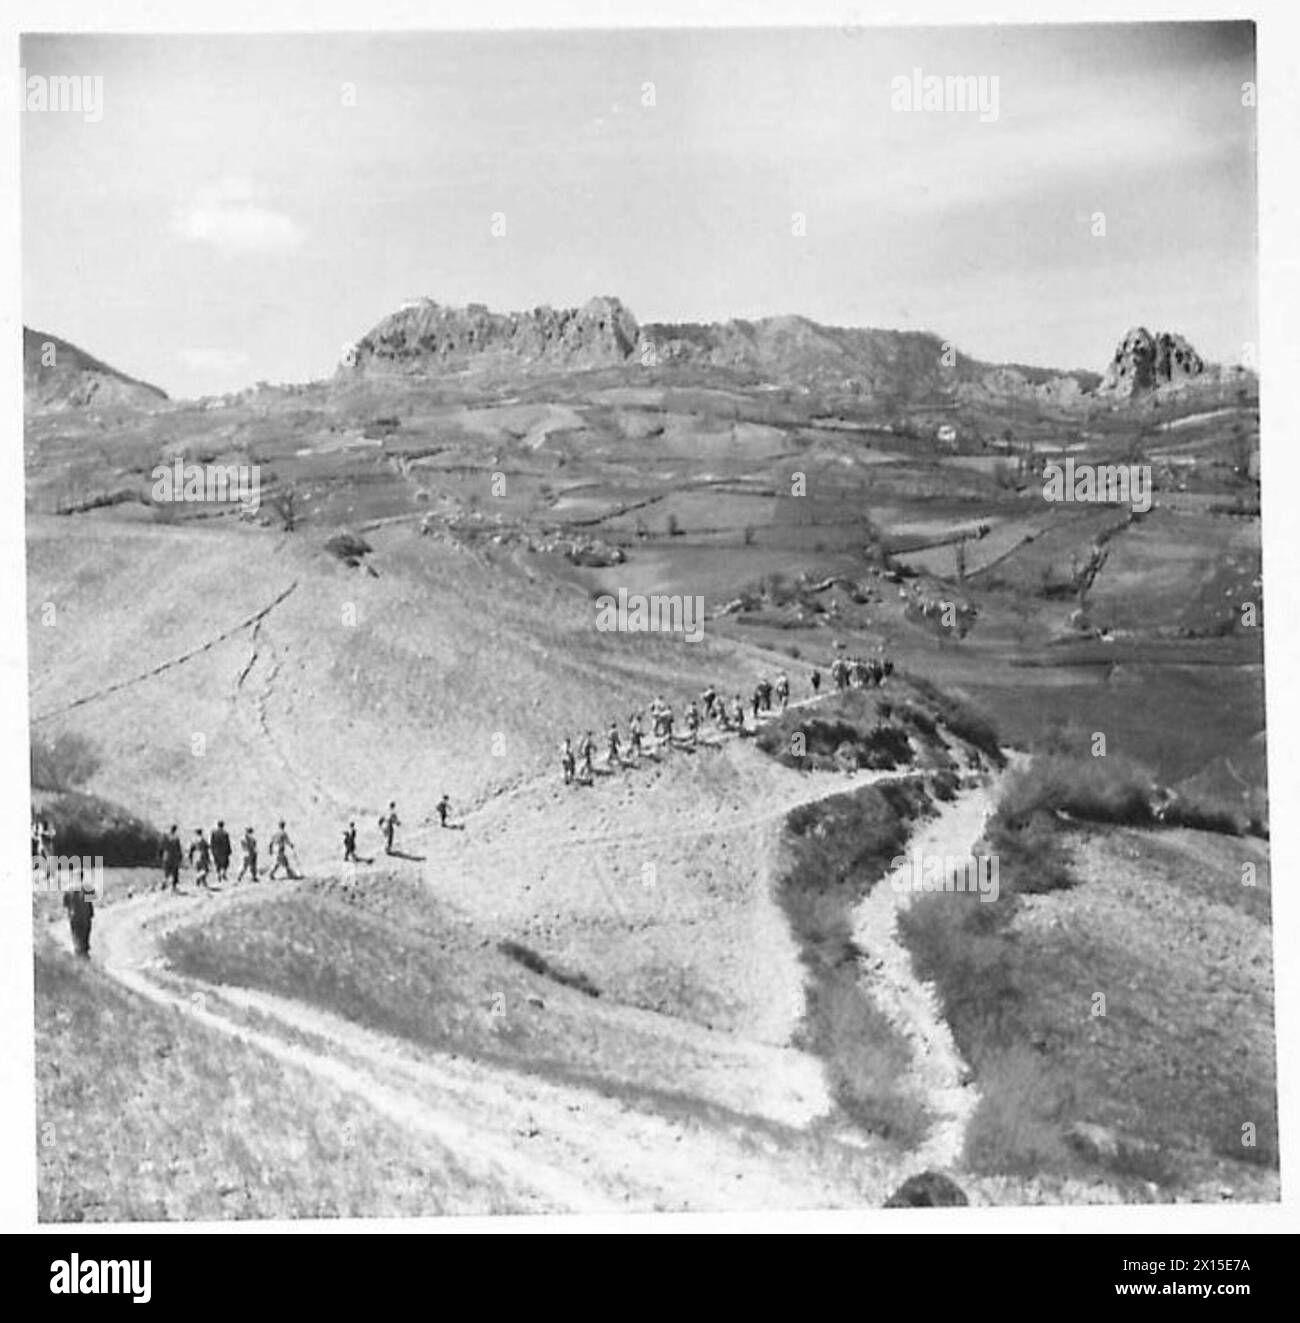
pixel 229 217
pixel 213 360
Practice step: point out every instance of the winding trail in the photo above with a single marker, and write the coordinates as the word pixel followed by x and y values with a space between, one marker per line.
pixel 559 1146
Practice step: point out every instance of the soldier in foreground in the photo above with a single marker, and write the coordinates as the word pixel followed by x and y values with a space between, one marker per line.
pixel 350 844
pixel 81 915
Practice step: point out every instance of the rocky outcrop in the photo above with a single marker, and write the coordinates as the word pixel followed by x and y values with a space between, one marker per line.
pixel 1144 362
pixel 894 368
pixel 427 335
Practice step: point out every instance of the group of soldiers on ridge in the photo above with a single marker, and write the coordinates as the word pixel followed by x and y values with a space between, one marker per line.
pixel 577 762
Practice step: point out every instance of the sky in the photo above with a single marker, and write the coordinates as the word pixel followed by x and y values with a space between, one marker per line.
pixel 244 208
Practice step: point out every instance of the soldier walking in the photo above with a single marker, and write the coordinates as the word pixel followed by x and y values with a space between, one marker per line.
pixel 220 842
pixel 389 825
pixel 171 854
pixel 586 750
pixel 280 846
pixel 692 721
pixel 737 713
pixel 201 857
pixel 248 844
pixel 81 915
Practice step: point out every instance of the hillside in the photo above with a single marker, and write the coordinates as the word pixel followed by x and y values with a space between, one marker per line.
pixel 688 983
pixel 58 375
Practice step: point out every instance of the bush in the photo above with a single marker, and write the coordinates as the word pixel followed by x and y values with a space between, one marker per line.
pixel 839 848
pixel 1112 789
pixel 1016 1127
pixel 89 826
pixel 1200 816
pixel 1031 857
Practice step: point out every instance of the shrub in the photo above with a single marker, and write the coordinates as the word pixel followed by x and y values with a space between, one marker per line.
pixel 1016 1127
pixel 838 848
pixel 1111 789
pixel 1200 816
pixel 87 825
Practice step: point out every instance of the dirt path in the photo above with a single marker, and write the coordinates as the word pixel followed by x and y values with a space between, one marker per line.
pixel 558 1148
pixel 562 1147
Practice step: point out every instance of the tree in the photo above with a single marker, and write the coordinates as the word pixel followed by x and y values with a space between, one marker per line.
pixel 287 504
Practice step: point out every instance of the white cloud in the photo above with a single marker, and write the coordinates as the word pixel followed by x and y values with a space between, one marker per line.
pixel 230 218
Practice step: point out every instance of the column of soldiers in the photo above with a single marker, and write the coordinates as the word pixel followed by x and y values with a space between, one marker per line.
pixel 577 761
pixel 860 672
pixel 211 855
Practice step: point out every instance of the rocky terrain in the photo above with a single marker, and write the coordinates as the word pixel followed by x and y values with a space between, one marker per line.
pixel 792 351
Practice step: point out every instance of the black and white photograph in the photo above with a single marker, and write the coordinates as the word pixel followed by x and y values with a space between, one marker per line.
pixel 644 618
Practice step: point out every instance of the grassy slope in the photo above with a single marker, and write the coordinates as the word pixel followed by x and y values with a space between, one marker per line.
pixel 142 1116
pixel 389 956
pixel 1183 1056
